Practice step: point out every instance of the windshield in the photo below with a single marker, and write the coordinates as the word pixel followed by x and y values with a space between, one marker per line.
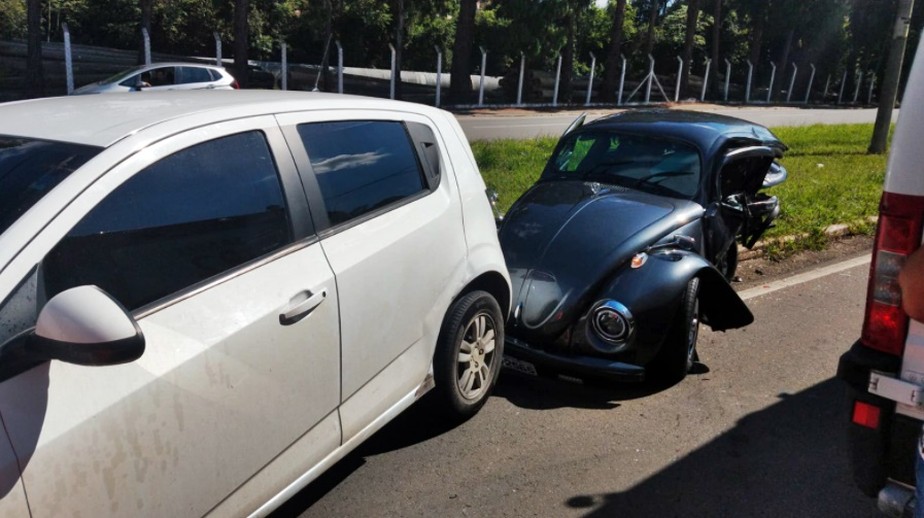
pixel 30 168
pixel 646 163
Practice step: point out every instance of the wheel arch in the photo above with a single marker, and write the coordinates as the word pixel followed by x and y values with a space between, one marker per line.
pixel 661 281
pixel 492 282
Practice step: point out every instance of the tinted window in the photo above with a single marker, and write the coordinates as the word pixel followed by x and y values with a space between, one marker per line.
pixel 158 77
pixel 650 164
pixel 192 75
pixel 361 165
pixel 123 75
pixel 192 215
pixel 30 168
pixel 18 312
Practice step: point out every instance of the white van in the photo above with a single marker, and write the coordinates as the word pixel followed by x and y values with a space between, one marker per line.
pixel 884 369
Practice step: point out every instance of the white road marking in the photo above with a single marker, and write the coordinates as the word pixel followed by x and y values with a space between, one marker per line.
pixel 770 287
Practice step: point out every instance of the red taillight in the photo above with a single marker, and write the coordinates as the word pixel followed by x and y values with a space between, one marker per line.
pixel 235 85
pixel 885 325
pixel 865 414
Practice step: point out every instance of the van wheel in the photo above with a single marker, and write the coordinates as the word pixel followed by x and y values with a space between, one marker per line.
pixel 468 354
pixel 676 357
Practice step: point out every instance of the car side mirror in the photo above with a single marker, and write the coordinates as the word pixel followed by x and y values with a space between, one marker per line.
pixel 85 326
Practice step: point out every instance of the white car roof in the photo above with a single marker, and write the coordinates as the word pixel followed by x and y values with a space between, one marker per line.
pixel 160 64
pixel 102 120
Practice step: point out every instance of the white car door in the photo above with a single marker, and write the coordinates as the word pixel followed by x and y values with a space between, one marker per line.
pixel 237 391
pixel 394 238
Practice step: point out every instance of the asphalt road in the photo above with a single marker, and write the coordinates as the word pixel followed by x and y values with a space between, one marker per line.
pixel 519 124
pixel 758 430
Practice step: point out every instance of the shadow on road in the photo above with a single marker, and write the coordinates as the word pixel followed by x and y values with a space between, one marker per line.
pixel 415 425
pixel 420 423
pixel 545 393
pixel 769 464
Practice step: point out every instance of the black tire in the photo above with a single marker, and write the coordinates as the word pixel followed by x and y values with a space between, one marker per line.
pixel 465 378
pixel 677 355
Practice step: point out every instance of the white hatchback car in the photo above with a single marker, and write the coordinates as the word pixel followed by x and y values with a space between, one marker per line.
pixel 235 290
pixel 159 77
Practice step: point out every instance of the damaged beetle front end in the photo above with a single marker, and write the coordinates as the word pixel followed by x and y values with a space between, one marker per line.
pixel 613 253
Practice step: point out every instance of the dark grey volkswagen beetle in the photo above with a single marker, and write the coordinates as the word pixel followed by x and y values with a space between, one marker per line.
pixel 628 239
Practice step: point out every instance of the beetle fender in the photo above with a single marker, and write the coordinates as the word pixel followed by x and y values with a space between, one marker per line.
pixel 653 291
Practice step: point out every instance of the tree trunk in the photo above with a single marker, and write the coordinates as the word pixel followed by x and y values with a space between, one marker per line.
pixel 328 40
pixel 567 58
pixel 889 91
pixel 757 35
pixel 147 12
pixel 613 58
pixel 652 22
pixel 783 72
pixel 692 15
pixel 716 41
pixel 241 46
pixel 399 46
pixel 460 82
pixel 35 77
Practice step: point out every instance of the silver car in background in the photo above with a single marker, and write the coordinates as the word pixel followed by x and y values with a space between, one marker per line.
pixel 158 77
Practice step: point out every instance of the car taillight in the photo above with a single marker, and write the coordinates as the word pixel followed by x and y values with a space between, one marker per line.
pixel 885 325
pixel 235 85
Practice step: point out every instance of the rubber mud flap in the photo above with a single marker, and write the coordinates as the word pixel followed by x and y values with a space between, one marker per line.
pixel 867 447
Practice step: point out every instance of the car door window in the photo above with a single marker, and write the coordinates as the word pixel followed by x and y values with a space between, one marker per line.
pixel 186 75
pixel 195 214
pixel 159 76
pixel 361 166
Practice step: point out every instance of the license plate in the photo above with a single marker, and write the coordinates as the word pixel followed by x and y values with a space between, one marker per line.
pixel 520 366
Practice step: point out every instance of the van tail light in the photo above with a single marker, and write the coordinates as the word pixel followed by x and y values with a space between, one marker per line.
pixel 235 85
pixel 885 325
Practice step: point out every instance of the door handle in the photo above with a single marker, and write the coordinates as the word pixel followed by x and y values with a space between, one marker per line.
pixel 301 306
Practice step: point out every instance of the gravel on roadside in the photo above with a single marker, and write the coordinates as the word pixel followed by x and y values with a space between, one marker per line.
pixel 760 270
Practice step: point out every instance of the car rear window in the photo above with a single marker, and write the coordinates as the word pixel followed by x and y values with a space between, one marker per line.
pixel 192 75
pixel 361 166
pixel 30 168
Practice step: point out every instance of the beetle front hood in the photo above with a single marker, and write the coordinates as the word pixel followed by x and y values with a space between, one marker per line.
pixel 561 239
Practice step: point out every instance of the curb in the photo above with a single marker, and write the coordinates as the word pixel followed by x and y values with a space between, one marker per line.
pixel 835 231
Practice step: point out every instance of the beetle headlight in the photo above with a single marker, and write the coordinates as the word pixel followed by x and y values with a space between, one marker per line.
pixel 613 324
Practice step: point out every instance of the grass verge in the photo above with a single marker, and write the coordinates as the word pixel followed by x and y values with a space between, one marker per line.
pixel 831 180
